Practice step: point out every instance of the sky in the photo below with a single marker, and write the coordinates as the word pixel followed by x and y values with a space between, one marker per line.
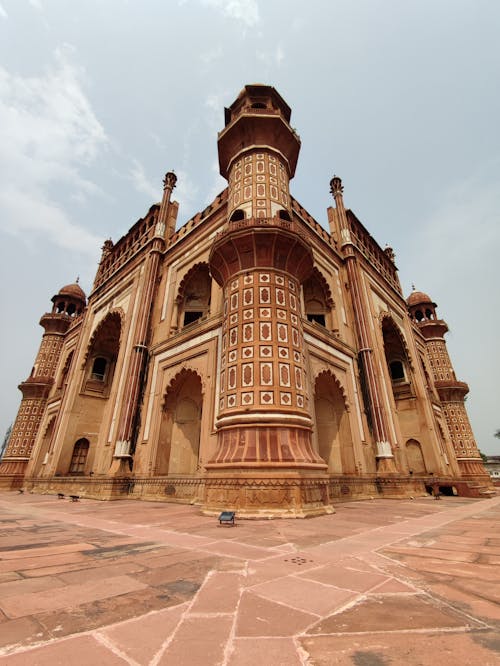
pixel 98 99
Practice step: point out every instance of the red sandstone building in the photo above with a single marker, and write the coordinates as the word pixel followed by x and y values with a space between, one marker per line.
pixel 249 360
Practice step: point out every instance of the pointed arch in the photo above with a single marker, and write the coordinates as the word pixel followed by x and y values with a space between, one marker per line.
pixel 318 301
pixel 415 457
pixel 193 297
pixel 327 373
pixel 180 377
pixel 110 325
pixel 102 354
pixel 387 324
pixel 332 424
pixel 180 427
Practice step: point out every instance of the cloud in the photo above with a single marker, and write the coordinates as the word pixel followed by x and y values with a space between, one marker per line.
pixel 243 11
pixel 49 135
pixel 464 224
pixel 142 183
pixel 185 191
pixel 211 55
pixel 277 55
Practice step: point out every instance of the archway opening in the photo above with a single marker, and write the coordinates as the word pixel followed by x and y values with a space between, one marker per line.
pixel 333 429
pixel 180 429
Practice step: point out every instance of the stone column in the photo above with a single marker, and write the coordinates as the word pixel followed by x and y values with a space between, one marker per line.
pixel 385 458
pixel 135 370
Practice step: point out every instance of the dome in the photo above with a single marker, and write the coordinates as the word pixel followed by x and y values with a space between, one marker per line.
pixel 74 290
pixel 418 297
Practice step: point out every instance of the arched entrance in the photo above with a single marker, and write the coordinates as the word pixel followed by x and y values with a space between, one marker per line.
pixel 332 425
pixel 179 439
pixel 415 457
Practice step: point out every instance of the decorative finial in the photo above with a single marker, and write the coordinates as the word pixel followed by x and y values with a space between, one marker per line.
pixel 336 186
pixel 413 287
pixel 389 252
pixel 170 180
pixel 77 279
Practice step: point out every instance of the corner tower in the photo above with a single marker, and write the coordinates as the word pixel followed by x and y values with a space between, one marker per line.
pixel 68 303
pixel 451 391
pixel 265 463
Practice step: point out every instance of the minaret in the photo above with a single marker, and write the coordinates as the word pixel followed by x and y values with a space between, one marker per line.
pixel 67 304
pixel 124 448
pixel 384 453
pixel 265 462
pixel 451 391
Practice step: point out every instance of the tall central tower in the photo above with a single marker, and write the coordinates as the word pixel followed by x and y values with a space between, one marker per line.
pixel 265 456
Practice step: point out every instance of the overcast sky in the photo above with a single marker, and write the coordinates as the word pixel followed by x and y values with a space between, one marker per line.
pixel 98 99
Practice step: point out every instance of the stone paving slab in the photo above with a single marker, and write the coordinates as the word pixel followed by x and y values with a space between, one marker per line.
pixel 145 584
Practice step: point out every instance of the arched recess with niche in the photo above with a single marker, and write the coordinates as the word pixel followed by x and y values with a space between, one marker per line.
pixel 193 298
pixel 180 428
pixel 332 424
pixel 43 449
pixel 97 383
pixel 318 302
pixel 415 457
pixel 397 358
pixel 101 356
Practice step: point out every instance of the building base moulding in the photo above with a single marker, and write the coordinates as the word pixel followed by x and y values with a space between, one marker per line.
pixel 259 493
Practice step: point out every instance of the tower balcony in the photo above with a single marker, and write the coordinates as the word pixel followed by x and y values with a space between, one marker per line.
pixel 451 390
pixel 260 242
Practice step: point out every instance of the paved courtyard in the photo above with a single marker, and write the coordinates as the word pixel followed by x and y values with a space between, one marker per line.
pixel 380 582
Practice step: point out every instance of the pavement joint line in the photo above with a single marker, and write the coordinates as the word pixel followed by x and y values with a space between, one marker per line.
pixel 164 646
pixel 229 646
pixel 114 649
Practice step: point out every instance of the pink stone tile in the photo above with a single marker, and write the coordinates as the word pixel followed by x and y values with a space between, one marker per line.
pixel 408 649
pixel 277 567
pixel 220 594
pixel 69 596
pixel 393 586
pixel 70 652
pixel 142 637
pixel 27 585
pixel 344 578
pixel 260 617
pixel 28 563
pixel 199 641
pixel 275 651
pixel 45 551
pixel 232 549
pixel 305 595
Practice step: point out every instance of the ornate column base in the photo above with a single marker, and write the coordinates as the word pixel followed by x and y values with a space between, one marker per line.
pixel 386 465
pixel 120 466
pixel 255 492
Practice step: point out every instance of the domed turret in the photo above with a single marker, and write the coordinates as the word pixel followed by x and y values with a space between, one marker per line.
pixel 421 307
pixel 70 300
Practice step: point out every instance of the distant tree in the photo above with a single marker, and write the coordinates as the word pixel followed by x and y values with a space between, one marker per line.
pixel 5 440
pixel 483 456
pixel 497 434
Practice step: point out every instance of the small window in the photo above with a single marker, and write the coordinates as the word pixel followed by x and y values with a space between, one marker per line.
pixel 190 317
pixel 284 215
pixel 238 214
pixel 99 369
pixel 71 310
pixel 60 307
pixel 397 371
pixel 79 457
pixel 318 318
pixel 419 315
pixel 428 313
pixel 258 105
